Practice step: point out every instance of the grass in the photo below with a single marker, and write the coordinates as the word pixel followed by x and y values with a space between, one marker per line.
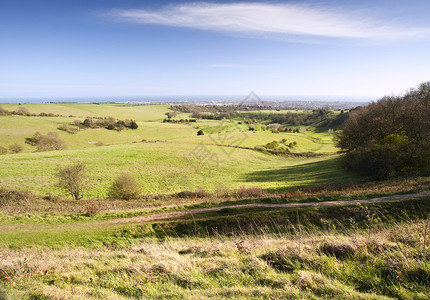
pixel 26 208
pixel 140 113
pixel 390 262
pixel 78 229
pixel 165 167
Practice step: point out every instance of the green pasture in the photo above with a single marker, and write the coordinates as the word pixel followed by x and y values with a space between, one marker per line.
pixel 164 167
pixel 14 129
pixel 164 157
pixel 139 113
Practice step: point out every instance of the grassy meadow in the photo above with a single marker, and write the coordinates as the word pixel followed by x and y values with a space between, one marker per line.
pixel 164 157
pixel 152 247
pixel 378 262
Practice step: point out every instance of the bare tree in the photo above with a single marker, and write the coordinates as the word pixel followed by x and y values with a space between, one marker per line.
pixel 73 178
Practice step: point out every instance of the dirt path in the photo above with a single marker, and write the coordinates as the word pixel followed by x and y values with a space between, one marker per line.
pixel 31 227
pixel 174 214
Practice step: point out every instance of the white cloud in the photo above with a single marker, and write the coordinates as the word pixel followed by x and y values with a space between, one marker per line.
pixel 271 20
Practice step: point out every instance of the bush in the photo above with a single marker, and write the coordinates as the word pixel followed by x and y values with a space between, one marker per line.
pixel 4 112
pixel 12 196
pixel 131 124
pixel 49 142
pixel 200 193
pixel 22 111
pixel 92 208
pixel 3 150
pixel 272 145
pixel 124 187
pixel 248 192
pixel 200 132
pixel 73 178
pixel 88 122
pixel 34 139
pixel 108 123
pixel 68 129
pixel 15 148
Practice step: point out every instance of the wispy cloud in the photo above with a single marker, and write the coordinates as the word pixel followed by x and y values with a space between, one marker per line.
pixel 277 20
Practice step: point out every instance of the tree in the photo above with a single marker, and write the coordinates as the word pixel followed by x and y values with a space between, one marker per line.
pixel 124 187
pixel 389 137
pixel 73 178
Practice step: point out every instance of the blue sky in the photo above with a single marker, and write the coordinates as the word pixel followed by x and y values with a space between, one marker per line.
pixel 113 48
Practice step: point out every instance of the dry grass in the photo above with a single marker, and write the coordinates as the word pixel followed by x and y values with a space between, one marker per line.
pixel 391 262
pixel 402 185
pixel 16 203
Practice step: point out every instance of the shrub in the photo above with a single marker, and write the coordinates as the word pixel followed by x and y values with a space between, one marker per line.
pixel 78 124
pixel 4 112
pixel 22 111
pixel 108 123
pixel 34 139
pixel 50 142
pixel 12 196
pixel 68 129
pixel 73 178
pixel 200 132
pixel 272 145
pixel 3 150
pixel 124 187
pixel 200 193
pixel 92 208
pixel 88 122
pixel 15 148
pixel 131 124
pixel 248 192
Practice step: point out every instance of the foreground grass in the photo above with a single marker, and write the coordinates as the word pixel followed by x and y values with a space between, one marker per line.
pixel 388 262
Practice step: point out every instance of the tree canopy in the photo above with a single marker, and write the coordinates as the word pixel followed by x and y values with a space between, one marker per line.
pixel 389 137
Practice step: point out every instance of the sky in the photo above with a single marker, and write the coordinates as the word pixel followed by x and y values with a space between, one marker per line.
pixel 132 48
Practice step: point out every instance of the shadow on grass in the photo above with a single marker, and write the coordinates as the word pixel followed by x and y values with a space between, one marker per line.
pixel 308 174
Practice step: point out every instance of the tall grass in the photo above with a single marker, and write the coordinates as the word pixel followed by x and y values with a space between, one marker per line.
pixel 390 262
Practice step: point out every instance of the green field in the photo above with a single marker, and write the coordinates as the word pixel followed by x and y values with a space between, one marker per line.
pixel 164 157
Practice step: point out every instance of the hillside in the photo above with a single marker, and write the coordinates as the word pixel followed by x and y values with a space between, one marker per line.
pixel 247 209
